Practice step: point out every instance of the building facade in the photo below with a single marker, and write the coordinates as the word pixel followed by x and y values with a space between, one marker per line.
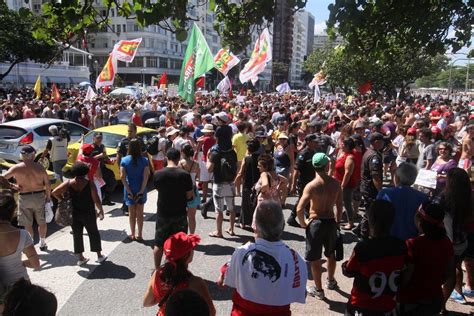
pixel 160 52
pixel 321 40
pixel 303 29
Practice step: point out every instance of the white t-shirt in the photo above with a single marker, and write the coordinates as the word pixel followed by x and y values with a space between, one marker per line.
pixel 161 149
pixel 267 273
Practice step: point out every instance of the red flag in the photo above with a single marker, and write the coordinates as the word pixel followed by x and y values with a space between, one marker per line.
pixel 201 82
pixel 163 80
pixel 106 89
pixel 231 95
pixel 366 87
pixel 55 95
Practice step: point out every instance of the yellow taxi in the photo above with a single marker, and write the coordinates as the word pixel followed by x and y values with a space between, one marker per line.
pixel 112 135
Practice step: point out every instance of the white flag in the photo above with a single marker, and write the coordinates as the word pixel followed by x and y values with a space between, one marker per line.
pixel 90 94
pixel 283 88
pixel 318 80
pixel 224 85
pixel 317 94
pixel 261 55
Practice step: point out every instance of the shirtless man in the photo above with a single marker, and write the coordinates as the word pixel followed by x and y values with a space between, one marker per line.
pixel 323 193
pixel 467 154
pixel 35 190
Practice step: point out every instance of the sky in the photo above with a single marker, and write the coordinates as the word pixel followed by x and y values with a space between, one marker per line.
pixel 319 8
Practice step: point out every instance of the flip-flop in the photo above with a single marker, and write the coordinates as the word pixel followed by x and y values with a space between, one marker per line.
pixel 215 235
pixel 139 239
pixel 230 232
pixel 82 262
pixel 131 237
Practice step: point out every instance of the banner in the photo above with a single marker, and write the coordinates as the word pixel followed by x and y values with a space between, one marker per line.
pixel 107 75
pixel 125 50
pixel 261 55
pixel 366 87
pixel 318 79
pixel 283 88
pixel 90 94
pixel 37 87
pixel 55 95
pixel 225 60
pixel 197 61
pixel 163 81
pixel 224 85
pixel 317 94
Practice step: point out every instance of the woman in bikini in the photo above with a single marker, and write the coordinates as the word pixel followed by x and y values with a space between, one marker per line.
pixel 191 166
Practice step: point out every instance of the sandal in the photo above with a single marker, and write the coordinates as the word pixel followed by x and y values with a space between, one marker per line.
pixel 228 231
pixel 216 235
pixel 131 237
pixel 139 239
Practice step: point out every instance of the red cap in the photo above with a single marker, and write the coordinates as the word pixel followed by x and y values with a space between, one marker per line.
pixel 435 130
pixel 87 149
pixel 411 131
pixel 179 245
pixel 446 114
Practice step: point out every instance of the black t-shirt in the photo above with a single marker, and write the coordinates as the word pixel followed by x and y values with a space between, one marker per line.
pixel 252 174
pixel 305 167
pixel 224 137
pixel 372 165
pixel 172 185
pixel 122 148
pixel 73 115
pixel 324 141
pixel 61 114
pixel 217 157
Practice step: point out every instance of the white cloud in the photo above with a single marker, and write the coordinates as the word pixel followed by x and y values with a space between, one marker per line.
pixel 320 28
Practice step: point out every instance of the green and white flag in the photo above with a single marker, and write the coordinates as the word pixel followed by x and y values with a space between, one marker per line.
pixel 197 61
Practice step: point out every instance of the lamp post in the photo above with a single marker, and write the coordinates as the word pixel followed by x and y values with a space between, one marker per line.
pixel 450 73
pixel 143 76
pixel 96 68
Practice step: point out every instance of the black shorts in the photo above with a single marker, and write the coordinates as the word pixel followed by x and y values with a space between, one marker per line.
pixel 166 227
pixel 319 233
pixel 469 252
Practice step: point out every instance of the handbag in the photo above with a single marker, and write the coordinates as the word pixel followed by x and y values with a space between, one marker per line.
pixel 63 215
pixel 48 212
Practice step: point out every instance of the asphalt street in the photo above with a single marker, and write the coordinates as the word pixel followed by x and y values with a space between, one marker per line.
pixel 116 287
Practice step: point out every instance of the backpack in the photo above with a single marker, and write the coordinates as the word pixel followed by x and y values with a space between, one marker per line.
pixel 152 145
pixel 228 166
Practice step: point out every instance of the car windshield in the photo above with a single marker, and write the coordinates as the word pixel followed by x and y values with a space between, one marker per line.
pixel 108 139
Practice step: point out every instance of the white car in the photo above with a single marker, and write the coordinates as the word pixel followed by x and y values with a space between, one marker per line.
pixel 34 132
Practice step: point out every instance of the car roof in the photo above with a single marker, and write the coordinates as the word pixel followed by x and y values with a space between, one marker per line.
pixel 121 129
pixel 34 122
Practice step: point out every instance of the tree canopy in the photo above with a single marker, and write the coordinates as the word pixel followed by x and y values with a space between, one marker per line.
pixel 395 69
pixel 17 43
pixel 368 25
pixel 70 20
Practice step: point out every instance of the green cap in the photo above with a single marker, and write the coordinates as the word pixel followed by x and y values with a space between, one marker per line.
pixel 320 160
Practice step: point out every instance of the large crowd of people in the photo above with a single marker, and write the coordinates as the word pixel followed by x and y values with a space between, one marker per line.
pixel 352 163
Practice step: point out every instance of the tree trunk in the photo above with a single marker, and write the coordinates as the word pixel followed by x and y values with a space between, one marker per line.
pixel 9 69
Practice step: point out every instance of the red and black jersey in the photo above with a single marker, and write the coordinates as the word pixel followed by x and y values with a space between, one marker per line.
pixel 375 265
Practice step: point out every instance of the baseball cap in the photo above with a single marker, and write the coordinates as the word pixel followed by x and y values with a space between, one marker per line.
pixel 282 136
pixel 260 134
pixel 375 136
pixel 87 149
pixel 411 131
pixel 27 150
pixel 179 245
pixel 320 160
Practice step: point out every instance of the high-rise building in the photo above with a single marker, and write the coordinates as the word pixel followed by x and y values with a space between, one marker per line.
pixel 303 30
pixel 282 41
pixel 159 51
pixel 321 40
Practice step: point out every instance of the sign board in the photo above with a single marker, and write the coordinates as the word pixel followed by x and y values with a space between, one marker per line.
pixel 426 178
pixel 172 90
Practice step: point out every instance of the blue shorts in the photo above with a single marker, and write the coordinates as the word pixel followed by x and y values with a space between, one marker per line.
pixel 196 201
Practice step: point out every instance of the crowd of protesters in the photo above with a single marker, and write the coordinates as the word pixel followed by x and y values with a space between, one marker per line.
pixel 352 163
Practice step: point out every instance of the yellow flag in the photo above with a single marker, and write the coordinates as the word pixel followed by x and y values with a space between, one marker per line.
pixel 37 87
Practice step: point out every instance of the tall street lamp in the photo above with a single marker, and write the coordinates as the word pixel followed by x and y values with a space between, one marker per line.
pixel 450 73
pixel 143 76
